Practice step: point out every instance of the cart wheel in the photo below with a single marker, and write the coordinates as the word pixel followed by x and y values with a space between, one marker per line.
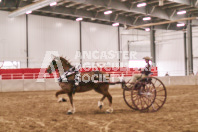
pixel 143 94
pixel 127 98
pixel 161 94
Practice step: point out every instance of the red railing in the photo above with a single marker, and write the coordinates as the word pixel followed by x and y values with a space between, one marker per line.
pixel 34 73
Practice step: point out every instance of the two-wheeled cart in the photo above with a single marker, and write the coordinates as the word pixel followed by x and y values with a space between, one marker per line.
pixel 147 94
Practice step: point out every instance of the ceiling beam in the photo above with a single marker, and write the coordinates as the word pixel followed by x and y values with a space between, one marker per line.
pixel 100 16
pixel 31 7
pixel 118 5
pixel 164 22
pixel 87 14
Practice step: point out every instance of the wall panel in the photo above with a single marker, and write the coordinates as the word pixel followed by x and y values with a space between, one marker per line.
pixel 195 50
pixel 100 38
pixel 12 38
pixel 12 85
pixel 137 41
pixel 52 34
pixel 33 85
pixel 170 52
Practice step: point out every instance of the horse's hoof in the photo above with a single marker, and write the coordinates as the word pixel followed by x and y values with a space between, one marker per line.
pixel 61 100
pixel 69 113
pixel 109 111
pixel 64 100
pixel 100 106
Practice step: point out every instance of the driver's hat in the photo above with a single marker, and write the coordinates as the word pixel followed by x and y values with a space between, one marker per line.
pixel 147 58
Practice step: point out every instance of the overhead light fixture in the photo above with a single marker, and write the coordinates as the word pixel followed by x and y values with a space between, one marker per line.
pixel 147 29
pixel 147 18
pixel 115 24
pixel 107 12
pixel 180 24
pixel 181 12
pixel 28 12
pixel 141 4
pixel 161 2
pixel 53 3
pixel 79 19
pixel 31 7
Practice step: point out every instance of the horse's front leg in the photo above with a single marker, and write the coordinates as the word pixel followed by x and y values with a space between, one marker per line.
pixel 72 109
pixel 61 92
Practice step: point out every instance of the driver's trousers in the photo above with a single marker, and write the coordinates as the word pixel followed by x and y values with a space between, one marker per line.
pixel 136 77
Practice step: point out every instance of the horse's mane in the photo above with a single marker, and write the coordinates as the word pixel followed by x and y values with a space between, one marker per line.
pixel 65 61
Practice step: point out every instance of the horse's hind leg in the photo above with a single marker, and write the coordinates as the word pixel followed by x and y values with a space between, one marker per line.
pixel 103 89
pixel 110 110
pixel 72 109
pixel 100 103
pixel 61 92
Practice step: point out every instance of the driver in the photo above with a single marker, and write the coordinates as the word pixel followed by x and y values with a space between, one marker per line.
pixel 144 73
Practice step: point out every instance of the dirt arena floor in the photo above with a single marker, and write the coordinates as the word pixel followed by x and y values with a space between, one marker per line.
pixel 40 112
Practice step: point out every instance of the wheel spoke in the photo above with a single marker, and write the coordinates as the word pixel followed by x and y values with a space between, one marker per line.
pixel 159 85
pixel 148 99
pixel 155 81
pixel 159 100
pixel 160 95
pixel 136 98
pixel 157 104
pixel 160 90
pixel 150 87
pixel 153 107
pixel 145 102
pixel 142 103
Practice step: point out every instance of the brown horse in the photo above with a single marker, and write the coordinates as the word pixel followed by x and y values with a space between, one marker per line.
pixel 63 65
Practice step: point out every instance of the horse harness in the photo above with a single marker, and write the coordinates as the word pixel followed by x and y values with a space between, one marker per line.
pixel 71 71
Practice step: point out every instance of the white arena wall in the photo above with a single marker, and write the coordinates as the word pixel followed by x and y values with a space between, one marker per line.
pixel 129 41
pixel 170 52
pixel 28 85
pixel 100 38
pixel 12 38
pixel 51 34
pixel 195 50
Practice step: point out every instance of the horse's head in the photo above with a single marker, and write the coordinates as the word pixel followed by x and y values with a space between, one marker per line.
pixel 58 63
pixel 52 67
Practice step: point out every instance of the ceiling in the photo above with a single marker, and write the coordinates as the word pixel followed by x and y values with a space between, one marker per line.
pixel 125 12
